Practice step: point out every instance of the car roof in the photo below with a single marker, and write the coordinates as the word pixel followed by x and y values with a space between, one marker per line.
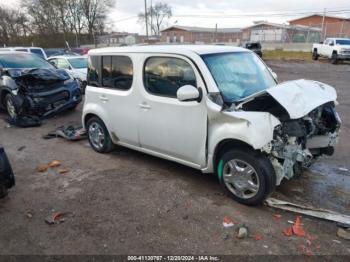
pixel 171 49
pixel 14 52
pixel 339 38
pixel 67 56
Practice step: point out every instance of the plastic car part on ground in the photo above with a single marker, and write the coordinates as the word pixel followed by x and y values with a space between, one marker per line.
pixel 7 178
pixel 70 133
pixel 228 222
pixel 297 229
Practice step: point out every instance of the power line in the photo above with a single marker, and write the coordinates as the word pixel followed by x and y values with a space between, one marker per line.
pixel 345 11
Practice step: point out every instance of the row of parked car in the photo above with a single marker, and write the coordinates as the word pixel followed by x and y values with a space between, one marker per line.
pixel 217 109
pixel 40 83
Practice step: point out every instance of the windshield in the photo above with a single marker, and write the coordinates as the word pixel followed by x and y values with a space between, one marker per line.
pixel 238 75
pixel 78 62
pixel 343 42
pixel 14 61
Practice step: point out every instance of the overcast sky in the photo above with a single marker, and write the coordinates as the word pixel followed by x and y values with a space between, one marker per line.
pixel 127 10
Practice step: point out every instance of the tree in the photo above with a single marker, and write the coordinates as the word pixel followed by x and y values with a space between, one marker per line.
pixel 157 16
pixel 13 25
pixel 76 19
pixel 95 13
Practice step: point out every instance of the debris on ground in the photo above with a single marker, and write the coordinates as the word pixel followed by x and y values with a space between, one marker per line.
pixel 336 241
pixel 258 237
pixel 277 217
pixel 63 171
pixel 54 163
pixel 29 215
pixel 71 133
pixel 288 232
pixel 306 250
pixel 20 149
pixel 242 232
pixel 225 236
pixel 310 211
pixel 297 229
pixel 343 233
pixel 55 218
pixel 228 222
pixel 343 169
pixel 42 168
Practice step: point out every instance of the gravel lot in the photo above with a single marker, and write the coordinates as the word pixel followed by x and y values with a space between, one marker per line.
pixel 131 203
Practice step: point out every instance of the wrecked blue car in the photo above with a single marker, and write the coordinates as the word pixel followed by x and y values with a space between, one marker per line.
pixel 31 86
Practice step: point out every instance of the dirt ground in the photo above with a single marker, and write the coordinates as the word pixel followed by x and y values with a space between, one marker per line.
pixel 131 203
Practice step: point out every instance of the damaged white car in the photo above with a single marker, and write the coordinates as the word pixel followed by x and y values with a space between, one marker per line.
pixel 214 108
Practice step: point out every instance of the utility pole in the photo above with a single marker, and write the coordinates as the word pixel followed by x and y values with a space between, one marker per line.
pixel 146 19
pixel 323 20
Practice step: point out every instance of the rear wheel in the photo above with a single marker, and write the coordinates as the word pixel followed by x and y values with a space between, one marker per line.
pixel 98 135
pixel 315 55
pixel 334 59
pixel 246 176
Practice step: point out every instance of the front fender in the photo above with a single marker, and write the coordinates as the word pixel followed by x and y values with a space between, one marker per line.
pixel 253 128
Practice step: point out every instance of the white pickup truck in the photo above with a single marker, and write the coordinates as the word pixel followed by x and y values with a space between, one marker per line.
pixel 333 48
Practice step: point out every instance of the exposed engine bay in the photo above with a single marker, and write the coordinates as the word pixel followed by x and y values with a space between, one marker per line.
pixel 297 143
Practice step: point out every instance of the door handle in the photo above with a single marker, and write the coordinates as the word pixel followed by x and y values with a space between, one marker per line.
pixel 145 106
pixel 103 98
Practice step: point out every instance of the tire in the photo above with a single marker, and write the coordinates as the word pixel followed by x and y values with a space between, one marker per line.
pixel 3 190
pixel 11 107
pixel 314 55
pixel 334 59
pixel 237 165
pixel 98 136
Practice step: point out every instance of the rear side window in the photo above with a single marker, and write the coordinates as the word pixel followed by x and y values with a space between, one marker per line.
pixel 94 71
pixel 117 72
pixel 163 76
pixel 37 51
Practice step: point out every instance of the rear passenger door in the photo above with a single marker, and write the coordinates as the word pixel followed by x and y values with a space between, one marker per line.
pixel 113 92
pixel 168 126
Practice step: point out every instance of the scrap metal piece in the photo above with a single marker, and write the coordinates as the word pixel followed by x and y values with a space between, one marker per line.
pixel 307 210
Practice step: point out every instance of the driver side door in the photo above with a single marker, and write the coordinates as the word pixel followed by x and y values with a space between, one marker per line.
pixel 168 126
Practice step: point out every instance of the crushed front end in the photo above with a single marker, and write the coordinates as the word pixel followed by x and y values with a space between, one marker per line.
pixel 309 124
pixel 44 92
pixel 298 143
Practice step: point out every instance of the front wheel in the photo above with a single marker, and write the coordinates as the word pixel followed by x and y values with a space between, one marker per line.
pixel 246 176
pixel 314 55
pixel 334 59
pixel 11 106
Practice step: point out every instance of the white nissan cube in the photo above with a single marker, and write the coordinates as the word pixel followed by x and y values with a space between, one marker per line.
pixel 214 108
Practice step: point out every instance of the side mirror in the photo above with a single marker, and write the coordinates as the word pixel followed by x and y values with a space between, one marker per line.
pixel 321 43
pixel 331 44
pixel 1 71
pixel 274 75
pixel 188 93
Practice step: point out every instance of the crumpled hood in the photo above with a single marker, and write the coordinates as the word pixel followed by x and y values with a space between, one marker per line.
pixel 51 75
pixel 299 97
